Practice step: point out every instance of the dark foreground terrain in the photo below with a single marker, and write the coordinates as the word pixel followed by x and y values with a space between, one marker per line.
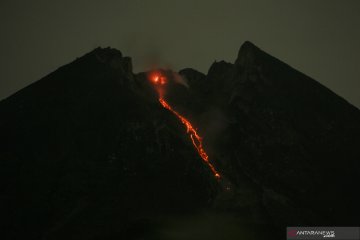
pixel 88 152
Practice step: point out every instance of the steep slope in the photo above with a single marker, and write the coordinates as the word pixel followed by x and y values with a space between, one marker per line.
pixel 293 139
pixel 83 153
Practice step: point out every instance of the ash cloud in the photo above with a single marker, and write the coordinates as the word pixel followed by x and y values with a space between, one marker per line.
pixel 213 123
pixel 180 79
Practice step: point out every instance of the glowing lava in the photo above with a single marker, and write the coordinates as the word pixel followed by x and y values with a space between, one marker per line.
pixel 158 79
pixel 195 138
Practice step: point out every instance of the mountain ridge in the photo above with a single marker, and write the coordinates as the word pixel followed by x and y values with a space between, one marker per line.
pixel 88 151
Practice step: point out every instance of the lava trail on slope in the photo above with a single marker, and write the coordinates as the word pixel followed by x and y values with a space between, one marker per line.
pixel 158 80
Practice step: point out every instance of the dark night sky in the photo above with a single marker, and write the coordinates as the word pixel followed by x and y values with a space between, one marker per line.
pixel 320 38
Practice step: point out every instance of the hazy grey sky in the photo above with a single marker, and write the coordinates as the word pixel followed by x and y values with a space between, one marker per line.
pixel 321 38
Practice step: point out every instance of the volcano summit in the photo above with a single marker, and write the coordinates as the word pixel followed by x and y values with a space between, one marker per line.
pixel 89 152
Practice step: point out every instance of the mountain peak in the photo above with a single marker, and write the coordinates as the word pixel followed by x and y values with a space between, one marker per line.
pixel 114 58
pixel 107 52
pixel 247 54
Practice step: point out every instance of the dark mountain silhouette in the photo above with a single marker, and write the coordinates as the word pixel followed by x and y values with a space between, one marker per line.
pixel 88 152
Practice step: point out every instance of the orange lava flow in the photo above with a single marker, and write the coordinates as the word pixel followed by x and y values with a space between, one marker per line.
pixel 195 138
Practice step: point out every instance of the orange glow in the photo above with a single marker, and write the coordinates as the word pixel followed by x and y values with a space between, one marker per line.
pixel 157 78
pixel 195 137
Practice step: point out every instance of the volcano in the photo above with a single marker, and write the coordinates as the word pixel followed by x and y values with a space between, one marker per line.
pixel 89 152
